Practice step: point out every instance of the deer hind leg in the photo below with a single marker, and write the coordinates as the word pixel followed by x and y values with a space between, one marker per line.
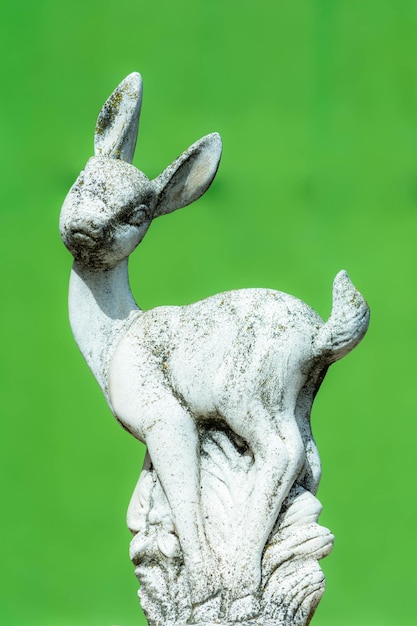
pixel 278 451
pixel 173 445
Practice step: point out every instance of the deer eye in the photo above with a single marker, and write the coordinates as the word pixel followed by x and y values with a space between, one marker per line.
pixel 139 215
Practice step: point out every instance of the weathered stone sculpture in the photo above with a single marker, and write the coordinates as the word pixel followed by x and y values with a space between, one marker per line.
pixel 224 513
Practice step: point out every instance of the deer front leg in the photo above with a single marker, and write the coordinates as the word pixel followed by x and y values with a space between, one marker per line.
pixel 173 445
pixel 145 404
pixel 149 410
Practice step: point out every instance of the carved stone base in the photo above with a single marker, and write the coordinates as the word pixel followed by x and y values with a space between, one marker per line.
pixel 292 582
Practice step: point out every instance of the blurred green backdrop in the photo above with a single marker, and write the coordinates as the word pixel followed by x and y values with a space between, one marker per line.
pixel 316 102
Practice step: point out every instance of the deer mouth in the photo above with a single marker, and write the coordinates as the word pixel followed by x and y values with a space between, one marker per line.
pixel 90 239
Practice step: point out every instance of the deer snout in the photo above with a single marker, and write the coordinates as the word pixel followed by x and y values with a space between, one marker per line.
pixel 83 220
pixel 85 233
pixel 88 240
pixel 91 230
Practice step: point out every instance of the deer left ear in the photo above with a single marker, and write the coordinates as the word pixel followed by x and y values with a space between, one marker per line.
pixel 118 121
pixel 189 176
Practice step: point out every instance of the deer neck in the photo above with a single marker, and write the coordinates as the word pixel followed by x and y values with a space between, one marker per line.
pixel 101 308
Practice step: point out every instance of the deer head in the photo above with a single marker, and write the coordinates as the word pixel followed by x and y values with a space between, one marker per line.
pixel 112 204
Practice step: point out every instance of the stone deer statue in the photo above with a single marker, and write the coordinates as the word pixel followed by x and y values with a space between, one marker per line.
pixel 249 361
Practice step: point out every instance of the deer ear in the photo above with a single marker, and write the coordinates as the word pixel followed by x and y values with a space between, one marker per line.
pixel 118 121
pixel 187 178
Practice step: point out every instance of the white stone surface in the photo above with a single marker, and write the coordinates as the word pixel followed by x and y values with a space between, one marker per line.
pixel 224 514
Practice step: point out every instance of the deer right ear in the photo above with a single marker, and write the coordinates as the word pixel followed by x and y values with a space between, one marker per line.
pixel 118 121
pixel 187 178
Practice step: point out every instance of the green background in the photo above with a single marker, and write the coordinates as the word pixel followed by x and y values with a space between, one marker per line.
pixel 316 102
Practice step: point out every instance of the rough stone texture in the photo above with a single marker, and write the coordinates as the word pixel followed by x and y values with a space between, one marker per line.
pixel 224 514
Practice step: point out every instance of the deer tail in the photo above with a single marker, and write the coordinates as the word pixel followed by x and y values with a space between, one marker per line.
pixel 347 324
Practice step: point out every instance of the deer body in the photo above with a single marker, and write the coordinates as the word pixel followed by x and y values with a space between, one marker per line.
pixel 250 360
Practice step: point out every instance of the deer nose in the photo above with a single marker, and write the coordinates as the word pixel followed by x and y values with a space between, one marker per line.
pixel 90 227
pixel 84 238
pixel 88 232
pixel 88 219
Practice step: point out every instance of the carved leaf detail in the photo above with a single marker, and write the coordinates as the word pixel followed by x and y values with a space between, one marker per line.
pixel 293 581
pixel 225 486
